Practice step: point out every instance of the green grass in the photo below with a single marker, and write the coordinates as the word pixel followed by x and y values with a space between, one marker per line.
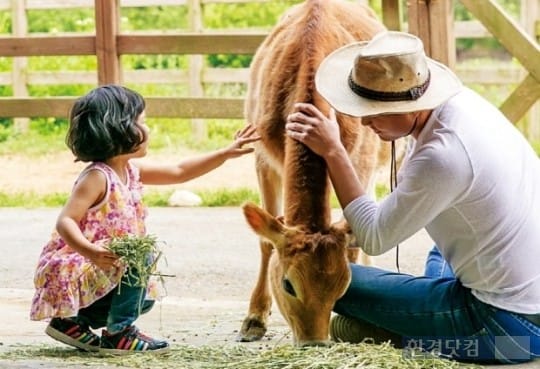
pixel 31 143
pixel 210 198
pixel 154 198
pixel 226 197
pixel 31 200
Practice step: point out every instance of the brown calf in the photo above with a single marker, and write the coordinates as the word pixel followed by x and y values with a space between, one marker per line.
pixel 309 271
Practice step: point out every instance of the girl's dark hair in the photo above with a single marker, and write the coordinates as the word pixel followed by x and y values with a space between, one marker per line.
pixel 103 123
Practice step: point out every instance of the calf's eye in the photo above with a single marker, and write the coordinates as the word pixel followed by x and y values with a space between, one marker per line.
pixel 288 287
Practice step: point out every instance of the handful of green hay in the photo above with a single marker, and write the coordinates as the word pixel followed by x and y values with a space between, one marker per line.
pixel 140 254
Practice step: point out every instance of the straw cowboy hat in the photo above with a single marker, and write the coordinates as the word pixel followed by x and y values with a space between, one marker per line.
pixel 388 74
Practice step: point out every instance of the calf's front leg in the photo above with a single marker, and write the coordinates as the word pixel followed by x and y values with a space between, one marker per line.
pixel 255 323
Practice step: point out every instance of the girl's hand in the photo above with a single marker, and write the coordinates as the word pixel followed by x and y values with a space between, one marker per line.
pixel 242 137
pixel 310 126
pixel 103 257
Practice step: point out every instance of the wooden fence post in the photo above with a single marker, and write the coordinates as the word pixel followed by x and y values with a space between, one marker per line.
pixel 433 22
pixel 419 22
pixel 107 13
pixel 20 64
pixel 198 127
pixel 391 14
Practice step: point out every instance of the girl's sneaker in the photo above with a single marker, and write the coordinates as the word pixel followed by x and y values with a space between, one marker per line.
pixel 72 333
pixel 130 340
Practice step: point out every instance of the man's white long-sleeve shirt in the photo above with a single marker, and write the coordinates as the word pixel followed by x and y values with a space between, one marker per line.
pixel 473 182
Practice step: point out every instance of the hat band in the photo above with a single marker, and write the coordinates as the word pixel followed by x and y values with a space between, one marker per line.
pixel 410 94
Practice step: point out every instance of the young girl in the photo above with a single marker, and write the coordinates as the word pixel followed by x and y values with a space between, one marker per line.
pixel 77 278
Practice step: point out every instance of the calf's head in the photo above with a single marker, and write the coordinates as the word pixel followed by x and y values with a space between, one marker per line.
pixel 309 272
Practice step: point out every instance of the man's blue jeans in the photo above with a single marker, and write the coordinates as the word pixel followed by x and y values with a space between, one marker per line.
pixel 118 309
pixel 436 313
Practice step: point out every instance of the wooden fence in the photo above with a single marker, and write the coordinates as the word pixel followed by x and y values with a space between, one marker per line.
pixel 432 20
pixel 109 43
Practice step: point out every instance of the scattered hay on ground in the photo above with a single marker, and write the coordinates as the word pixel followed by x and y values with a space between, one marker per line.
pixel 340 355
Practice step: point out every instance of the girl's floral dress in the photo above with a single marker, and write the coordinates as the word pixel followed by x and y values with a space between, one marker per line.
pixel 66 281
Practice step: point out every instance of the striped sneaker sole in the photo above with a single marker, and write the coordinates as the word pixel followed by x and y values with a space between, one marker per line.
pixel 82 341
pixel 131 341
pixel 111 351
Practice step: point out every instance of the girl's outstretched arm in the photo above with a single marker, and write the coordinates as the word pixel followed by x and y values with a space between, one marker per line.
pixel 196 166
pixel 89 191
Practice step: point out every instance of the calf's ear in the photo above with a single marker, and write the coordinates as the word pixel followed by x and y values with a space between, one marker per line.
pixel 343 226
pixel 352 248
pixel 264 224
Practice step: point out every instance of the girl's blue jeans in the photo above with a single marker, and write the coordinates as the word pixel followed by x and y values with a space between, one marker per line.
pixel 435 313
pixel 118 309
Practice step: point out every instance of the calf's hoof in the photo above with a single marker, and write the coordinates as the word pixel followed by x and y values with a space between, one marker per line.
pixel 253 329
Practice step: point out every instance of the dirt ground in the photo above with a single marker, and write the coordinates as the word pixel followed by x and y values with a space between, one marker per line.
pixel 56 173
pixel 211 252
